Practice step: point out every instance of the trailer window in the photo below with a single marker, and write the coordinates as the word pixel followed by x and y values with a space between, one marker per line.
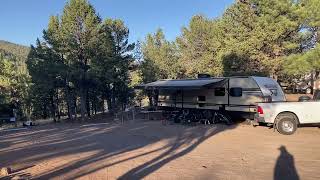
pixel 236 92
pixel 220 91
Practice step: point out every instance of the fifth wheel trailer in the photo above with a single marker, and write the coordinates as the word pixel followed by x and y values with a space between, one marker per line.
pixel 234 95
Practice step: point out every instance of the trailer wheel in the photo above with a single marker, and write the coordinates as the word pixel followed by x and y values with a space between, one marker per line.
pixel 286 123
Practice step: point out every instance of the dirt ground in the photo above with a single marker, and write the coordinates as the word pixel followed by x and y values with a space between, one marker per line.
pixel 150 150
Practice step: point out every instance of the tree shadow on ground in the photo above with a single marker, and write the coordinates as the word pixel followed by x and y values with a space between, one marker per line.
pixel 285 167
pixel 104 143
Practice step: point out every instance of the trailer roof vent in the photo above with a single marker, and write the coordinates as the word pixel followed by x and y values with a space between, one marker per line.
pixel 200 76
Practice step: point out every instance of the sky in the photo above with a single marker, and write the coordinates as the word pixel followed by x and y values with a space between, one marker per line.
pixel 22 21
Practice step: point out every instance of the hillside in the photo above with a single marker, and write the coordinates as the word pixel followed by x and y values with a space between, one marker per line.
pixel 19 51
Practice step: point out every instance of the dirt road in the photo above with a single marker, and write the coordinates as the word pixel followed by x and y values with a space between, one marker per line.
pixel 150 150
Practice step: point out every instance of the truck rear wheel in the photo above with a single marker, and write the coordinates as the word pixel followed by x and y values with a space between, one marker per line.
pixel 286 124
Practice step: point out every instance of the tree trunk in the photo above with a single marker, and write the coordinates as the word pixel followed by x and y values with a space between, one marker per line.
pixel 312 81
pixel 88 104
pixel 113 99
pixel 75 109
pixel 69 109
pixel 103 105
pixel 70 104
pixel 94 105
pixel 52 107
pixel 69 98
pixel 57 104
pixel 83 99
pixel 109 103
pixel 44 110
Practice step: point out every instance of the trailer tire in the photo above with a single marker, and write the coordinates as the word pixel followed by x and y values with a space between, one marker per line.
pixel 286 123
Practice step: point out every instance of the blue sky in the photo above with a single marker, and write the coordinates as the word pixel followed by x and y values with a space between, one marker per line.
pixel 22 21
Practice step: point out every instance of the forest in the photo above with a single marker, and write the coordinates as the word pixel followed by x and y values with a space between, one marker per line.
pixel 83 64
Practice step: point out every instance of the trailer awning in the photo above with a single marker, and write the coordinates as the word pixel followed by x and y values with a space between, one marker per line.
pixel 184 84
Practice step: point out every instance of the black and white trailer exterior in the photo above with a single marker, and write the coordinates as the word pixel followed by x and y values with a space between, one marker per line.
pixel 234 95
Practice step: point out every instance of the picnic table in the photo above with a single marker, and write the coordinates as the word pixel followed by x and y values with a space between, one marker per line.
pixel 146 112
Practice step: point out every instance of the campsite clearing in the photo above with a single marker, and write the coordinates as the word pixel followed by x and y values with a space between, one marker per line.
pixel 147 149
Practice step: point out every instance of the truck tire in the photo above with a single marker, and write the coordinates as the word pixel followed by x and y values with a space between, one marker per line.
pixel 286 124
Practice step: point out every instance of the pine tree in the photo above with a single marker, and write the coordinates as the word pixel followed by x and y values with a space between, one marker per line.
pixel 78 39
pixel 160 58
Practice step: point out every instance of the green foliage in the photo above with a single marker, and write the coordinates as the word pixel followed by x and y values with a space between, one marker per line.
pixel 14 82
pixel 252 37
pixel 7 71
pixel 309 60
pixel 47 71
pixel 118 61
pixel 299 64
pixel 160 58
pixel 15 53
pixel 265 31
pixel 199 47
pixel 82 61
pixel 309 10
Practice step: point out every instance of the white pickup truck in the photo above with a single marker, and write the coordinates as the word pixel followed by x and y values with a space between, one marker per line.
pixel 286 116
